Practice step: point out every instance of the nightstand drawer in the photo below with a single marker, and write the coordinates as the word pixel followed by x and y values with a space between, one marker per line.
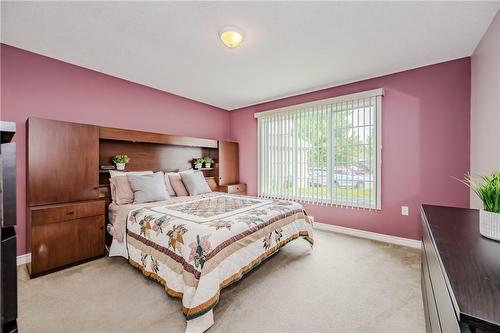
pixel 238 188
pixel 64 212
pixel 234 189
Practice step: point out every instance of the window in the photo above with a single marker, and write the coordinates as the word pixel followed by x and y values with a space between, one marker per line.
pixel 324 152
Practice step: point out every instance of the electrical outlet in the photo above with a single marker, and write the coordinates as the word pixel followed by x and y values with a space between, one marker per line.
pixel 404 210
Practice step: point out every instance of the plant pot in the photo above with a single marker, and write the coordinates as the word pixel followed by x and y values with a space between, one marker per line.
pixel 198 166
pixel 489 224
pixel 120 166
pixel 208 165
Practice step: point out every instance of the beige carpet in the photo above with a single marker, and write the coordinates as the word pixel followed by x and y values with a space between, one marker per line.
pixel 343 284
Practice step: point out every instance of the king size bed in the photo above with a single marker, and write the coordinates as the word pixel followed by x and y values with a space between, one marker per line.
pixel 196 245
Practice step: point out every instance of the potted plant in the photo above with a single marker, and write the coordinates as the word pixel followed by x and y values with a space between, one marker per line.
pixel 488 190
pixel 198 163
pixel 120 161
pixel 208 161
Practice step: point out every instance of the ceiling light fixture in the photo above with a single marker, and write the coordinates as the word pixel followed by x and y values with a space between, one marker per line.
pixel 231 36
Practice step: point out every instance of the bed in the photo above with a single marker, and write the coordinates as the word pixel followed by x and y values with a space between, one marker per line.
pixel 195 246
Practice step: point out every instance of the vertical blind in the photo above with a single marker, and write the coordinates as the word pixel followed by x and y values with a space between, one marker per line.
pixel 324 152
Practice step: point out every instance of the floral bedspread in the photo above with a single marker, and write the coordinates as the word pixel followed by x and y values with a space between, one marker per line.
pixel 198 246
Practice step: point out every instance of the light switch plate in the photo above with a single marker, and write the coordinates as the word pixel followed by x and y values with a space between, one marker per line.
pixel 404 210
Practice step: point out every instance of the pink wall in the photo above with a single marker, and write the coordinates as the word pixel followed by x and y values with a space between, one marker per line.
pixel 37 86
pixel 425 139
pixel 426 132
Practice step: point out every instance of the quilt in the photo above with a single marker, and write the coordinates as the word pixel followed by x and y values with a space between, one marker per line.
pixel 198 246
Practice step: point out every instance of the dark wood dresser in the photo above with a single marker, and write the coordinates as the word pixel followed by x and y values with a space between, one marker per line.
pixel 460 272
pixel 8 221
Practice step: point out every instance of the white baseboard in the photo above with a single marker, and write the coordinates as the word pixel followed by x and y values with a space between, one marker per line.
pixel 23 259
pixel 369 235
pixel 26 258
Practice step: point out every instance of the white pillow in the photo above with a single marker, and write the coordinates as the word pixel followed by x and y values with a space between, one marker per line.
pixel 195 183
pixel 113 173
pixel 148 188
pixel 168 186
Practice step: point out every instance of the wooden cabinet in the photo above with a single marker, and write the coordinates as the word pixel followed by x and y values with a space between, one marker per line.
pixel 233 189
pixel 65 234
pixel 62 162
pixel 228 172
pixel 65 218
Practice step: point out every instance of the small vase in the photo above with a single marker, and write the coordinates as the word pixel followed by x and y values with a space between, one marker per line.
pixel 207 165
pixel 120 166
pixel 198 166
pixel 489 224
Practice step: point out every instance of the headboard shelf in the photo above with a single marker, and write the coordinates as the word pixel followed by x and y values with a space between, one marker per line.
pixel 109 133
pixel 152 156
pixel 165 152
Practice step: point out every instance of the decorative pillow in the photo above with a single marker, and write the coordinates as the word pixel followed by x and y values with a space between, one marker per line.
pixel 171 191
pixel 195 183
pixel 168 186
pixel 177 184
pixel 148 188
pixel 122 191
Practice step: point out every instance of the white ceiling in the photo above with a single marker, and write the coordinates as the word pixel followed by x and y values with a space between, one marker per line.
pixel 290 47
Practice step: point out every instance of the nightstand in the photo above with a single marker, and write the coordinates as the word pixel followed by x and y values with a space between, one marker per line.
pixel 233 189
pixel 65 234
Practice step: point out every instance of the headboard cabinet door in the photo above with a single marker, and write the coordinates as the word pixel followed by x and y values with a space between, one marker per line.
pixel 228 163
pixel 62 162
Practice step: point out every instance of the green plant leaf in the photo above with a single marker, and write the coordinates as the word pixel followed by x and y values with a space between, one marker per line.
pixel 208 159
pixel 121 159
pixel 487 189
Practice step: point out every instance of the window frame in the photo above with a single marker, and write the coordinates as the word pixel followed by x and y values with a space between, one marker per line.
pixel 322 103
